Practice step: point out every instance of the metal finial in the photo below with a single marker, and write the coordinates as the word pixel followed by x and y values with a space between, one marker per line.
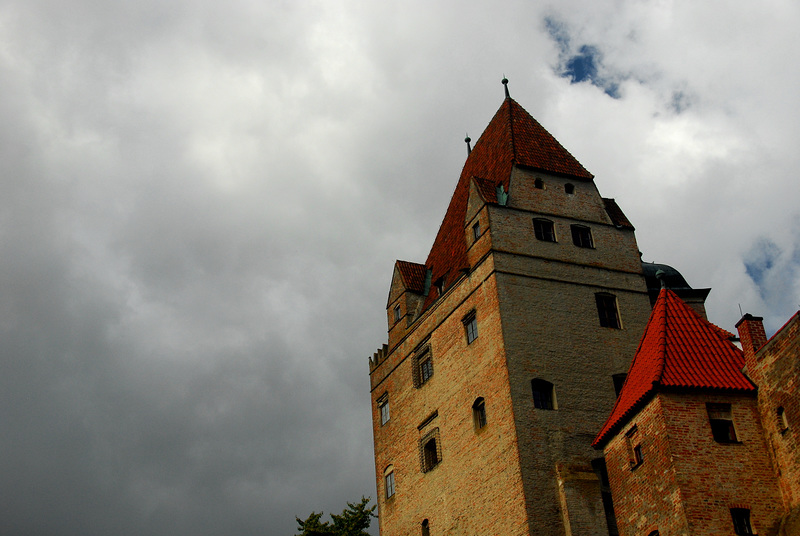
pixel 469 147
pixel 505 86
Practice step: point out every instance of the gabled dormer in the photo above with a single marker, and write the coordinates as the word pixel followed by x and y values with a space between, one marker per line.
pixel 410 285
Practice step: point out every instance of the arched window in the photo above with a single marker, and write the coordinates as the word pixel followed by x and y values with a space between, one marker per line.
pixel 543 394
pixel 388 479
pixel 479 413
pixel 426 530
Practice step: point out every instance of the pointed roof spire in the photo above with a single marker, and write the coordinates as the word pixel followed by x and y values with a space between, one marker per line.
pixel 469 147
pixel 679 350
pixel 512 138
pixel 505 86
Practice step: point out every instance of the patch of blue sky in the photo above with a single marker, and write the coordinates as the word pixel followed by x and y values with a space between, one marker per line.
pixel 760 260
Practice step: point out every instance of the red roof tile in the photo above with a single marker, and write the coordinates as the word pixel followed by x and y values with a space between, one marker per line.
pixel 413 275
pixel 512 137
pixel 616 214
pixel 679 349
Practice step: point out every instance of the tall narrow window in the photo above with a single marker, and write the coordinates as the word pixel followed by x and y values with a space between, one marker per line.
pixel 430 450
pixel 543 396
pixel 721 421
pixel 582 236
pixel 388 479
pixel 634 447
pixel 607 310
pixel 471 327
pixel 397 313
pixel 383 408
pixel 476 230
pixel 783 423
pixel 599 466
pixel 422 367
pixel 479 413
pixel 543 229
pixel 741 521
pixel 426 529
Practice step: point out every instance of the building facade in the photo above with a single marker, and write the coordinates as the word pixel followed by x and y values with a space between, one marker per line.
pixel 506 348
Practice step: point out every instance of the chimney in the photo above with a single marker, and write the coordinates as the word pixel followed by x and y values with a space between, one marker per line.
pixel 752 336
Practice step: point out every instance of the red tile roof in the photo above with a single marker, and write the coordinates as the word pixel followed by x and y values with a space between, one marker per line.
pixel 679 349
pixel 413 275
pixel 512 137
pixel 616 215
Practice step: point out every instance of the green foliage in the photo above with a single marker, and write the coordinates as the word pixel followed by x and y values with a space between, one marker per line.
pixel 353 521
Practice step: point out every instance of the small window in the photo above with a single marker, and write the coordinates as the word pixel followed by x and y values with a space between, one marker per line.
pixel 721 420
pixel 543 395
pixel 383 408
pixel 479 413
pixel 741 521
pixel 423 367
pixel 439 285
pixel 607 310
pixel 569 188
pixel 430 450
pixel 634 447
pixel 388 479
pixel 783 423
pixel 538 184
pixel 654 533
pixel 619 381
pixel 426 529
pixel 471 327
pixel 397 313
pixel 543 229
pixel 476 230
pixel 582 236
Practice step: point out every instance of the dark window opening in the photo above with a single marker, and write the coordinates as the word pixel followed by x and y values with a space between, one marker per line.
pixel 479 413
pixel 569 188
pixel 619 381
pixel 607 310
pixel 538 184
pixel 476 230
pixel 471 327
pixel 430 451
pixel 582 236
pixel 634 447
pixel 543 396
pixel 543 229
pixel 783 423
pixel 425 370
pixel 721 420
pixel 599 466
pixel 439 285
pixel 426 530
pixel 396 313
pixel 741 521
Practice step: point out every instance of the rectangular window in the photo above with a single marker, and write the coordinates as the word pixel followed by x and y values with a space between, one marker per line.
pixel 476 230
pixel 396 313
pixel 389 479
pixel 607 310
pixel 422 366
pixel 582 236
pixel 383 407
pixel 471 327
pixel 479 413
pixel 543 229
pixel 741 521
pixel 542 394
pixel 721 421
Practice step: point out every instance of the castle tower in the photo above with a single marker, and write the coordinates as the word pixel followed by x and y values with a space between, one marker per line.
pixel 506 348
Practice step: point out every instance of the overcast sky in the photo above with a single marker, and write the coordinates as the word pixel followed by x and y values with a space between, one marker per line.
pixel 201 204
